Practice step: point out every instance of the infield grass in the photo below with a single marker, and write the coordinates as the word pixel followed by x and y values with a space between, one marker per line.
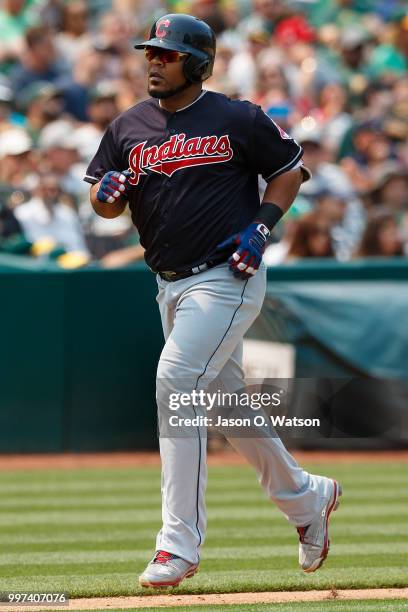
pixel 90 532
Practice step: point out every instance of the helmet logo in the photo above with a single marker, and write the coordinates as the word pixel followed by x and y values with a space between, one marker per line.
pixel 161 27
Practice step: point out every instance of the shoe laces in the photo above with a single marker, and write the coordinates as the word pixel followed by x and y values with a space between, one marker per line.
pixel 162 557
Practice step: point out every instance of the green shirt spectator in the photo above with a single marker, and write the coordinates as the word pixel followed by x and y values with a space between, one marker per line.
pixel 387 59
pixel 343 14
pixel 15 17
pixel 392 58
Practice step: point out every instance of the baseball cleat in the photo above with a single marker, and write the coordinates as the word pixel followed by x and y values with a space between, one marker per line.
pixel 166 570
pixel 314 538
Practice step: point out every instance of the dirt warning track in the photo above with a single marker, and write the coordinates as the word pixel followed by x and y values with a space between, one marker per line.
pixel 174 600
pixel 68 461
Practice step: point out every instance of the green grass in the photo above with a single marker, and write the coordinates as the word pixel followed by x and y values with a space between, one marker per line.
pixel 91 532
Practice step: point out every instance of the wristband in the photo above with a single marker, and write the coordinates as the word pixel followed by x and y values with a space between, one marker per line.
pixel 269 214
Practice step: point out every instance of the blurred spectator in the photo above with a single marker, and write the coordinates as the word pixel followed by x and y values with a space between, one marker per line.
pixel 381 237
pixel 377 101
pixel 131 88
pixel 103 235
pixel 278 106
pixel 332 73
pixel 396 114
pixel 210 12
pixel 293 29
pixel 40 62
pixel 75 37
pixel 113 41
pixel 12 239
pixel 6 98
pixel 270 76
pixel 9 225
pixel 49 12
pixel 331 115
pixel 354 154
pixel 331 206
pixel 17 166
pixel 391 58
pixel 230 36
pixel 346 219
pixel 326 176
pixel 264 16
pixel 372 149
pixel 46 216
pixel 59 147
pixel 391 187
pixel 15 18
pixel 342 12
pixel 330 191
pixel 242 68
pixel 101 110
pixel 276 253
pixel 41 103
pixel 90 68
pixel 305 71
pixel 352 59
pixel 311 238
pixel 108 236
pixel 220 81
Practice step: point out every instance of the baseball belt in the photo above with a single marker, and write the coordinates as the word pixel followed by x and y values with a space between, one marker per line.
pixel 171 276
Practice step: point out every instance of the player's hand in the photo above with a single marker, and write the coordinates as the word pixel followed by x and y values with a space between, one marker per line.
pixel 247 257
pixel 113 186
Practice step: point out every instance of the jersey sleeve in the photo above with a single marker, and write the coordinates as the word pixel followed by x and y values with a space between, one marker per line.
pixel 274 151
pixel 106 158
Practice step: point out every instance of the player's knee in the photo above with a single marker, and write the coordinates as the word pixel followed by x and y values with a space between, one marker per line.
pixel 177 368
pixel 172 377
pixel 178 378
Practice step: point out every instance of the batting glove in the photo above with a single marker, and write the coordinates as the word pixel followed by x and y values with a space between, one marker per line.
pixel 251 242
pixel 113 186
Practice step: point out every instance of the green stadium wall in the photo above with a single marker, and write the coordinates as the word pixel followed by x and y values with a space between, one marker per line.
pixel 79 348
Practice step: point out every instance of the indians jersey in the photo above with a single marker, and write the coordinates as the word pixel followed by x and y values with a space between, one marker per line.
pixel 194 172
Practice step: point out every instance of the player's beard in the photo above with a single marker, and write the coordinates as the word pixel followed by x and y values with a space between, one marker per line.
pixel 162 95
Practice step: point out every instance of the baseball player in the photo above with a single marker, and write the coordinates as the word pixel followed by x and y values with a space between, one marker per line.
pixel 187 161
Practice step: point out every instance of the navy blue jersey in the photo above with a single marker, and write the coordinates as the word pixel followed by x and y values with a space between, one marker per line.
pixel 194 172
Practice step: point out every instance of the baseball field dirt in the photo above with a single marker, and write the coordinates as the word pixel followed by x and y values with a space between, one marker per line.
pixel 364 605
pixel 320 601
pixel 89 529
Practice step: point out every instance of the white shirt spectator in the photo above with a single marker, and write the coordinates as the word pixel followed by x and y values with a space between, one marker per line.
pixel 87 138
pixel 71 48
pixel 61 224
pixel 242 72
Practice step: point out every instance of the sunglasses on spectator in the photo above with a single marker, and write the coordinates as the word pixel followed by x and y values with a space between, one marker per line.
pixel 164 55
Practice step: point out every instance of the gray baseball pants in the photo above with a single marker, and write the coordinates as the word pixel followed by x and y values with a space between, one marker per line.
pixel 204 320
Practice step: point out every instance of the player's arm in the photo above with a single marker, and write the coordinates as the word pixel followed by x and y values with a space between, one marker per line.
pixel 109 192
pixel 277 157
pixel 250 244
pixel 108 197
pixel 282 190
pixel 102 208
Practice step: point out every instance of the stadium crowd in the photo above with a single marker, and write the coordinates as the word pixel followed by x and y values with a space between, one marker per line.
pixel 332 73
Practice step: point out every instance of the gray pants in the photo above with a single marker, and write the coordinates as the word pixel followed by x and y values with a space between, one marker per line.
pixel 204 320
